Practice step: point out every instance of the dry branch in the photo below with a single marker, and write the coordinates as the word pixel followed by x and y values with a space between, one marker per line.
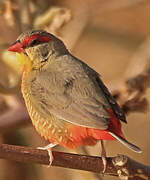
pixel 131 93
pixel 120 165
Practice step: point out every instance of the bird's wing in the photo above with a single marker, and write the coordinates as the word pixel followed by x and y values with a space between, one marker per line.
pixel 77 99
pixel 114 105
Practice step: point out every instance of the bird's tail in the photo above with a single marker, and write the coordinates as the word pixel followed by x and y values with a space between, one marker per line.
pixel 126 143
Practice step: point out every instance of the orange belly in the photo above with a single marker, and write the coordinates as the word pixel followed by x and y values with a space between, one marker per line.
pixel 80 136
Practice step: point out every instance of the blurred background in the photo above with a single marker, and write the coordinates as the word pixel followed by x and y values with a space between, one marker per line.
pixel 112 36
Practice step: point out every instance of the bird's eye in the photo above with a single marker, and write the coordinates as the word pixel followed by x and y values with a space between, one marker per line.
pixel 34 42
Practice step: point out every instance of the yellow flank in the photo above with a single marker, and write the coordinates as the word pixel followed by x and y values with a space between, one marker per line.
pixel 24 61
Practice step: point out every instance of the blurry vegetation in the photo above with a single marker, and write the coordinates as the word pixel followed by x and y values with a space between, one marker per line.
pixel 111 36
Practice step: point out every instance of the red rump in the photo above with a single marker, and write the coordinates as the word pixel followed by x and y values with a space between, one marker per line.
pixel 89 136
pixel 114 126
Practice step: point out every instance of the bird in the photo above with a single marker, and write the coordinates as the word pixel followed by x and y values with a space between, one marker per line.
pixel 66 99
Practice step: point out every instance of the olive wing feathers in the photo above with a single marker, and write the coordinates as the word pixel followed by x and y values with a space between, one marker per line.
pixel 70 100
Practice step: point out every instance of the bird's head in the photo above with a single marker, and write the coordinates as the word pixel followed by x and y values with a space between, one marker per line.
pixel 35 47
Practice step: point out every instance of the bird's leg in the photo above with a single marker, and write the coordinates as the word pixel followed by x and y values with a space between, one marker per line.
pixel 103 155
pixel 48 148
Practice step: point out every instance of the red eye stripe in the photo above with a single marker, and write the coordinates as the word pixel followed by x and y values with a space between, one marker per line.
pixel 44 38
pixel 29 39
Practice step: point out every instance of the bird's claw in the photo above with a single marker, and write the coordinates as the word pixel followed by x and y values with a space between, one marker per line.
pixel 48 148
pixel 104 163
pixel 103 155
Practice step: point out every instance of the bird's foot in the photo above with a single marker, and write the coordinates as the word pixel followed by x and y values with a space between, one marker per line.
pixel 103 155
pixel 48 148
pixel 104 163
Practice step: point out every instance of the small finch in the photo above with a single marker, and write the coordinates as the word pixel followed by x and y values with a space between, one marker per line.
pixel 66 99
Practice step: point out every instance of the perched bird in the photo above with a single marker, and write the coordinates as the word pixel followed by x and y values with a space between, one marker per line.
pixel 66 99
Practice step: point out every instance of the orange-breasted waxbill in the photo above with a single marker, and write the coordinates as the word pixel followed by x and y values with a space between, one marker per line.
pixel 66 99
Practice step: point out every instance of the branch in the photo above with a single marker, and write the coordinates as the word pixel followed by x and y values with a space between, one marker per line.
pixel 131 93
pixel 120 165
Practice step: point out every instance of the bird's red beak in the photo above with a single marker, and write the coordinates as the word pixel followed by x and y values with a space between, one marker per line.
pixel 16 47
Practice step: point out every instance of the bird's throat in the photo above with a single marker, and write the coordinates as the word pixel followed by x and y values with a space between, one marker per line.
pixel 24 61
